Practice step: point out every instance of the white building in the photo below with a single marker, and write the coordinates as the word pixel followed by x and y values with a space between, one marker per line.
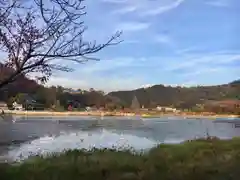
pixel 166 109
pixel 17 106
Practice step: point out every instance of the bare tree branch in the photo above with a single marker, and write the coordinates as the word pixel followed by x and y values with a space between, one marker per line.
pixel 33 36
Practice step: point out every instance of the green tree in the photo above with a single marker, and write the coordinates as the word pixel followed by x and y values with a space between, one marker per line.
pixel 40 95
pixel 20 98
pixel 10 102
pixel 51 96
pixel 58 106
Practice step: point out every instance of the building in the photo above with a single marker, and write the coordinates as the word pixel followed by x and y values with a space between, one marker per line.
pixel 91 108
pixel 3 106
pixel 29 103
pixel 166 109
pixel 17 106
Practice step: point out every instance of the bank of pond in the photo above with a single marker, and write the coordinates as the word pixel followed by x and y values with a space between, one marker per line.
pixel 203 159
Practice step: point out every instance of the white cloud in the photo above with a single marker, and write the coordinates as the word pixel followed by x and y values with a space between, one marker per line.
pixel 164 39
pixel 204 70
pixel 145 86
pixel 67 82
pixel 132 26
pixel 130 41
pixel 125 10
pixel 144 7
pixel 105 65
pixel 99 83
pixel 218 3
pixel 189 83
pixel 193 70
pixel 187 50
pixel 96 75
pixel 163 9
pixel 206 60
pixel 115 1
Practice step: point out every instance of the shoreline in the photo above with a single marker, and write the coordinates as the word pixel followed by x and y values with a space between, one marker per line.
pixel 166 161
pixel 120 114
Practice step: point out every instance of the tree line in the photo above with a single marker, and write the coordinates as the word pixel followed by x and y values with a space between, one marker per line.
pixel 187 98
pixel 195 99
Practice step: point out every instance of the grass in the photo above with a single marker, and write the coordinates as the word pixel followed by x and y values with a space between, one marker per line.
pixel 210 159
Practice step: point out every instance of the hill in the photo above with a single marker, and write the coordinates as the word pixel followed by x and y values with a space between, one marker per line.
pixel 22 84
pixel 50 95
pixel 180 97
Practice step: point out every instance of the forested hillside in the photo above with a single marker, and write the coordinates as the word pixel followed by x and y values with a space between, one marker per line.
pixel 21 85
pixel 179 96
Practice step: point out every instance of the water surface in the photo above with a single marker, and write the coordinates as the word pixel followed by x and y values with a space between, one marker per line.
pixel 23 136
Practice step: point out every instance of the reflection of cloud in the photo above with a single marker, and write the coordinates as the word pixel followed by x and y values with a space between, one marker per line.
pixel 80 140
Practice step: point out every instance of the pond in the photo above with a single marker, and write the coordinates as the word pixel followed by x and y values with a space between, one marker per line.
pixel 21 137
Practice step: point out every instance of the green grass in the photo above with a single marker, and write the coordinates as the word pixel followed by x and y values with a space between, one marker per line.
pixel 210 159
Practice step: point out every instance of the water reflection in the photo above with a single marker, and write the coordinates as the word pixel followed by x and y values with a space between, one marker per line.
pixel 7 117
pixel 17 130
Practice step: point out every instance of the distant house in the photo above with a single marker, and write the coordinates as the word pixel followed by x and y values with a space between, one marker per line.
pixel 29 103
pixel 91 108
pixel 166 109
pixel 3 106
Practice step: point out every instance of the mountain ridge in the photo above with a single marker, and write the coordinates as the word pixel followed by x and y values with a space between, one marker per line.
pixel 178 96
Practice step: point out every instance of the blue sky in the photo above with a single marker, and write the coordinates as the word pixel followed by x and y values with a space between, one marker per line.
pixel 171 42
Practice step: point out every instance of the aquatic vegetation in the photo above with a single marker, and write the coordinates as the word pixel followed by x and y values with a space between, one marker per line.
pixel 210 159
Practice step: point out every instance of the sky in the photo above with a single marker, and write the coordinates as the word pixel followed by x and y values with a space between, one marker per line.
pixel 170 42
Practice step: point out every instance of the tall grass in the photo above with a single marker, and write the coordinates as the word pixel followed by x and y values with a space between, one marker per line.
pixel 210 159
